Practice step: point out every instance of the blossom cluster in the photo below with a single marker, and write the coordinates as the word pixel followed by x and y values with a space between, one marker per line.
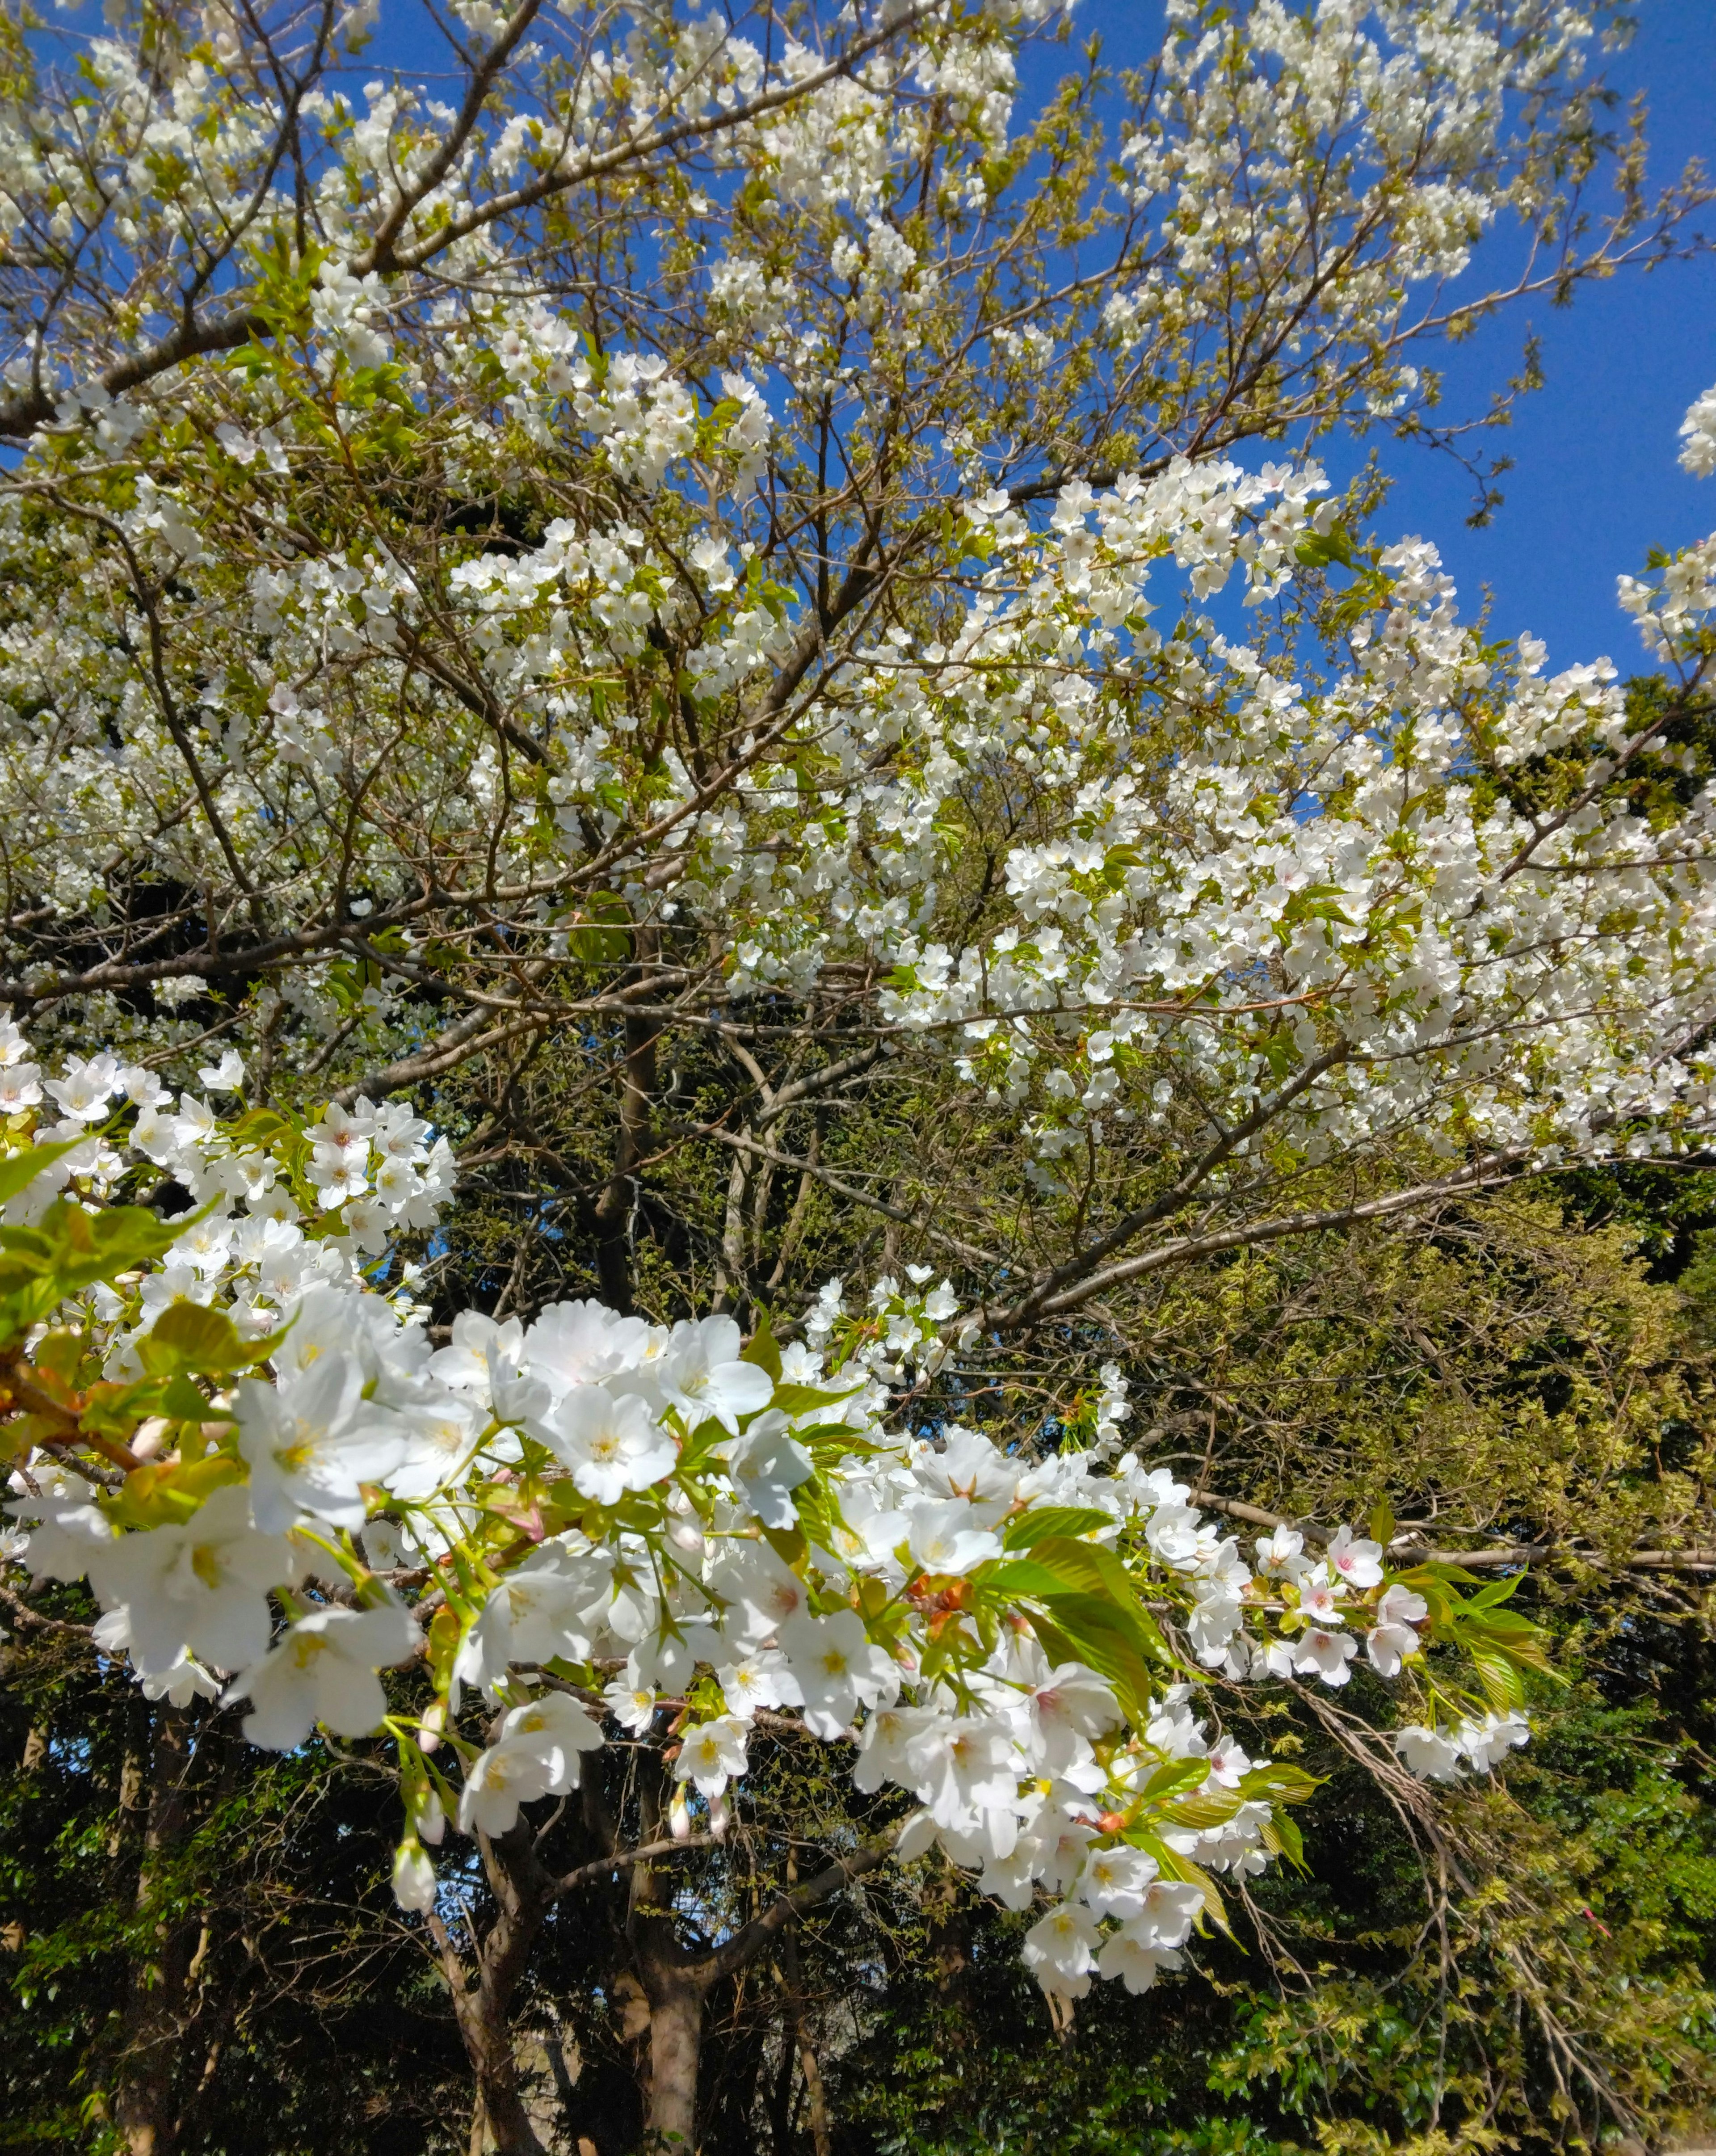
pixel 1419 943
pixel 595 1523
pixel 272 1206
pixel 1673 608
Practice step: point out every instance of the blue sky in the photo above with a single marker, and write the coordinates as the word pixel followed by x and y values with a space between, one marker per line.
pixel 1595 480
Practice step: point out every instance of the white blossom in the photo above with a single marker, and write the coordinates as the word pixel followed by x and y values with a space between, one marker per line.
pixel 324 1670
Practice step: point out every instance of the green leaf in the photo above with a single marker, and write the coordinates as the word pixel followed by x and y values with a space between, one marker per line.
pixel 186 1337
pixel 1173 1866
pixel 1436 1575
pixel 1282 1837
pixel 1498 1674
pixel 760 1348
pixel 62 1352
pixel 184 1402
pixel 1203 1809
pixel 163 1492
pixel 1055 1643
pixel 1279 1784
pixel 1318 549
pixel 1017 1579
pixel 98 1246
pixel 1089 1569
pixel 709 1437
pixel 818 1514
pixel 1089 1629
pixel 1173 1778
pixel 69 1248
pixel 1505 1626
pixel 828 1443
pixel 801 1399
pixel 790 1544
pixel 1499 1591
pixel 257 1126
pixel 25 1256
pixel 1062 1520
pixel 1086 1610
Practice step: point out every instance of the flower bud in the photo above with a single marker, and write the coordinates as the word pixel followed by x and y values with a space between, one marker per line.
pixel 413 1875
pixel 146 1437
pixel 431 1819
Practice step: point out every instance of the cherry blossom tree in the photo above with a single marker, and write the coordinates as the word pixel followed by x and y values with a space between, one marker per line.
pixel 732 549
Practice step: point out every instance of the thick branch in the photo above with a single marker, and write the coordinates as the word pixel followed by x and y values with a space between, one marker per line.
pixel 1043 1298
pixel 1494 1167
pixel 1501 1557
pixel 21 415
pixel 745 1944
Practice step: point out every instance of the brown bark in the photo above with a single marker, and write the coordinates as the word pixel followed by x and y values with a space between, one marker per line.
pixel 674 1985
pixel 947 1935
pixel 143 2099
pixel 130 1815
pixel 508 2113
pixel 675 1980
pixel 731 1273
pixel 780 2104
pixel 675 1995
pixel 482 2002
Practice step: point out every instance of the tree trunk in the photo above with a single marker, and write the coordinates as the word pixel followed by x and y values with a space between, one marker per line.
pixel 483 2005
pixel 947 1935
pixel 673 1982
pixel 500 2125
pixel 143 2103
pixel 131 1817
pixel 676 1982
pixel 779 2098
pixel 675 2040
